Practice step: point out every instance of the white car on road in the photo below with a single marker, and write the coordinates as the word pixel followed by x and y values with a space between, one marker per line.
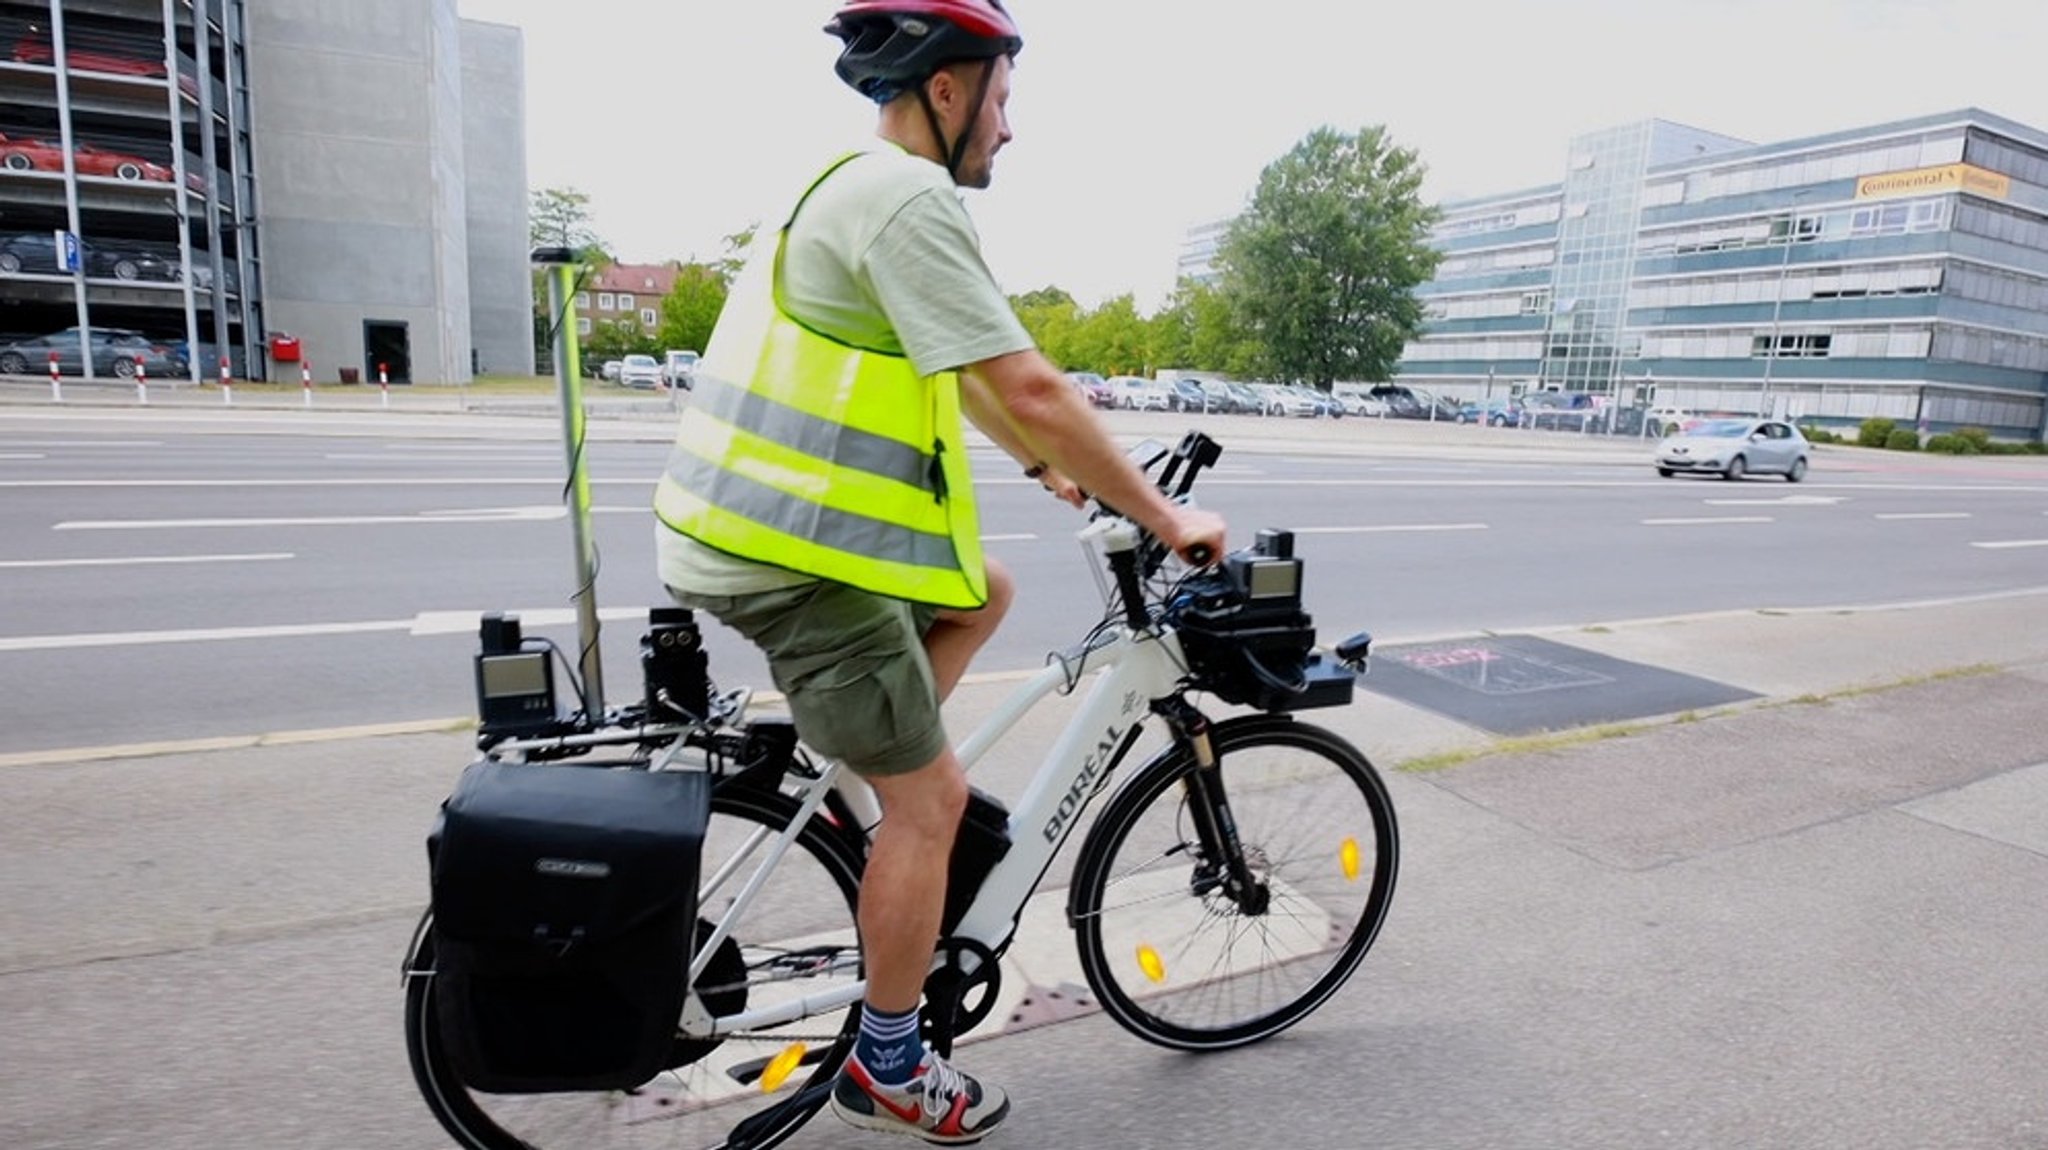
pixel 1734 448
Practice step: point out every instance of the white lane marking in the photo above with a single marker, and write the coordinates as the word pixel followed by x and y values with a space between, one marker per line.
pixel 1924 515
pixel 2007 544
pixel 82 443
pixel 363 481
pixel 143 560
pixel 1707 520
pixel 425 455
pixel 465 622
pixel 531 514
pixel 1022 538
pixel 1781 501
pixel 22 455
pixel 1381 528
pixel 197 635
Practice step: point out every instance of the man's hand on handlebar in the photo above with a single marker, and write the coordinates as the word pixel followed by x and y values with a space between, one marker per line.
pixel 1063 489
pixel 1195 535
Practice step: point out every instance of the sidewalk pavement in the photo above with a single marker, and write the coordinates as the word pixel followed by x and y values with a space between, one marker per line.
pixel 1814 919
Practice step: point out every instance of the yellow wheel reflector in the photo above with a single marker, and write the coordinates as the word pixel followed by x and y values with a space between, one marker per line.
pixel 1150 962
pixel 1348 856
pixel 778 1069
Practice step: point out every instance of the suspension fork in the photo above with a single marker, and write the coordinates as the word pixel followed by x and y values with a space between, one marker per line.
pixel 1222 863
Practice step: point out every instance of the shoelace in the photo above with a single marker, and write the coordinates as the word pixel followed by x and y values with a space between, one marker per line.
pixel 942 1084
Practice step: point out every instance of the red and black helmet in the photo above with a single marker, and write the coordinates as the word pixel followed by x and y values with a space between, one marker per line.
pixel 894 45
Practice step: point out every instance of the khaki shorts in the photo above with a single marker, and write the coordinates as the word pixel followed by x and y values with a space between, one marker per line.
pixel 851 663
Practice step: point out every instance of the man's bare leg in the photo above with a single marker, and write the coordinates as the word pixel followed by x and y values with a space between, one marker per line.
pixel 955 636
pixel 903 892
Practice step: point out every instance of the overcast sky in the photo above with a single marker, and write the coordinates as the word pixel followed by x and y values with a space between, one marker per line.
pixel 685 121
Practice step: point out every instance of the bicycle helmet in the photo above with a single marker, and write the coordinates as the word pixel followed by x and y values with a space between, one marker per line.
pixel 894 45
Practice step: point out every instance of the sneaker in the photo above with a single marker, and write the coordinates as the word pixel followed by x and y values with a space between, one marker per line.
pixel 938 1104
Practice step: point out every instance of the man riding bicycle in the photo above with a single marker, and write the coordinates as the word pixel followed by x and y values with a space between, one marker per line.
pixel 818 499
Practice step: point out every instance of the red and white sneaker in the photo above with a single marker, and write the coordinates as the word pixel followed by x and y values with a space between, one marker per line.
pixel 938 1104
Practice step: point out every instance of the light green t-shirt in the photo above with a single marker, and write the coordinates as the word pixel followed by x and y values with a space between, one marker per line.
pixel 883 256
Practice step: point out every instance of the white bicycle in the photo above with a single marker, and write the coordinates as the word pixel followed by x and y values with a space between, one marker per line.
pixel 1228 887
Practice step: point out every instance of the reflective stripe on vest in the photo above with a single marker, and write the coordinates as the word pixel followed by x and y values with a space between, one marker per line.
pixel 835 461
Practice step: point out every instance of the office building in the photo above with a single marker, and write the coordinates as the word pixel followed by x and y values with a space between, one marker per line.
pixel 1898 270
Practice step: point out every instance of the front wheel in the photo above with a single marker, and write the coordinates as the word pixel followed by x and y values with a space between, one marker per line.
pixel 798 940
pixel 1797 471
pixel 1177 960
pixel 1737 468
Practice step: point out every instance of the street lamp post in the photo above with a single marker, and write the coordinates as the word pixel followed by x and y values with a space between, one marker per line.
pixel 1778 300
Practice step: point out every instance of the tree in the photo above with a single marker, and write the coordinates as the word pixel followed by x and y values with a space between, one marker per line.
pixel 560 217
pixel 690 309
pixel 1322 268
pixel 1111 340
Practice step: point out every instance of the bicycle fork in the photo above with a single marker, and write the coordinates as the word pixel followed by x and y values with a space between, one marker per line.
pixel 1221 864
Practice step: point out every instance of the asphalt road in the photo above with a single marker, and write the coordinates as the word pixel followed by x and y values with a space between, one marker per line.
pixel 229 573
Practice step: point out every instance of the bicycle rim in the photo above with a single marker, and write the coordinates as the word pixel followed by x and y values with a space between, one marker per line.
pixel 1178 962
pixel 798 940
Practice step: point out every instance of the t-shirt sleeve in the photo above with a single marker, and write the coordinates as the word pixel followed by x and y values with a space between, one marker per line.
pixel 926 270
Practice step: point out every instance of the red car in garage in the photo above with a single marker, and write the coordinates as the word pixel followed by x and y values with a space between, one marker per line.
pixel 86 56
pixel 24 155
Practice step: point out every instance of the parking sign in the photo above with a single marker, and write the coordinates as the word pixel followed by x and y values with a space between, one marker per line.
pixel 67 251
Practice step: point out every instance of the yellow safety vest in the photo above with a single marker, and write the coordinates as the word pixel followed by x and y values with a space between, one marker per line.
pixel 803 452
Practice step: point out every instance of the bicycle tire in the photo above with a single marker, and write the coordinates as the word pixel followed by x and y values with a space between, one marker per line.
pixel 702 1101
pixel 1161 944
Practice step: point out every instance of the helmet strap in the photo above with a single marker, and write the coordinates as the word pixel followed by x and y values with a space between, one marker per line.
pixel 957 151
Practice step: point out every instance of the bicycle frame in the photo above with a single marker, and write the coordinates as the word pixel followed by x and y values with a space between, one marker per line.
pixel 1129 670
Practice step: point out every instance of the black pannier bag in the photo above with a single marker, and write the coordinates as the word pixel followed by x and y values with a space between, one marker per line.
pixel 564 902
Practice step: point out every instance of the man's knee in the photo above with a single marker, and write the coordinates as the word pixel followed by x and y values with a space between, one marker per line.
pixel 929 800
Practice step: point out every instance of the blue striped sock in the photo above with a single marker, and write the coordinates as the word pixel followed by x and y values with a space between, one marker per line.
pixel 889 1045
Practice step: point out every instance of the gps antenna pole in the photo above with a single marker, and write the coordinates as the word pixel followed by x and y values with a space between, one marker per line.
pixel 560 264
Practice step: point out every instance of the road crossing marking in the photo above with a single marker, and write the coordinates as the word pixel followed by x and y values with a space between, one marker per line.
pixel 1923 515
pixel 1708 520
pixel 1388 528
pixel 2007 544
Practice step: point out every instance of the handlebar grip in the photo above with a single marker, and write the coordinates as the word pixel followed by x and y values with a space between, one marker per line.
pixel 1201 555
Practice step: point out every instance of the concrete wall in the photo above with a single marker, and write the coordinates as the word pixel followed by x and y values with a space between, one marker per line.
pixel 360 118
pixel 494 146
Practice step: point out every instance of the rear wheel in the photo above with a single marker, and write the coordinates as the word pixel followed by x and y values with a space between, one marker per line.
pixel 1179 962
pixel 1737 468
pixel 1797 471
pixel 12 363
pixel 798 940
pixel 1666 472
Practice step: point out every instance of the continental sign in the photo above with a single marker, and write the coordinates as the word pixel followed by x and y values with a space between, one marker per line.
pixel 1933 181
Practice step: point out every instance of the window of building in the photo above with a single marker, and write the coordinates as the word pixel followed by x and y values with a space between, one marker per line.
pixel 606 301
pixel 583 301
pixel 648 318
pixel 625 301
pixel 1790 345
pixel 582 325
pixel 1535 302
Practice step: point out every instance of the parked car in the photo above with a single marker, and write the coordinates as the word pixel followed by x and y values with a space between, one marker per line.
pixel 35 253
pixel 1134 393
pixel 1560 410
pixel 610 371
pixel 1734 448
pixel 85 56
pixel 1491 412
pixel 1663 421
pixel 1094 388
pixel 1249 402
pixel 1219 396
pixel 115 351
pixel 679 369
pixel 640 371
pixel 202 274
pixel 1187 395
pixel 29 155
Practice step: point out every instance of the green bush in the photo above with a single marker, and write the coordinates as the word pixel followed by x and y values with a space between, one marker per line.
pixel 1875 432
pixel 1956 444
pixel 1819 435
pixel 1976 435
pixel 1902 439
